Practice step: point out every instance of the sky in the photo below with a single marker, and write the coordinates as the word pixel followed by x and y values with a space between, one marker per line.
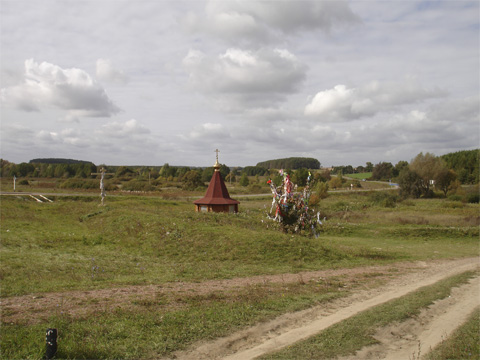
pixel 152 82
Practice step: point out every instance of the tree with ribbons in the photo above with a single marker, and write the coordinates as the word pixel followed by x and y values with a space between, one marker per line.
pixel 291 209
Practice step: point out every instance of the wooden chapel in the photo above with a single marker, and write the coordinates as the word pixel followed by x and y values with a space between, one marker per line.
pixel 217 198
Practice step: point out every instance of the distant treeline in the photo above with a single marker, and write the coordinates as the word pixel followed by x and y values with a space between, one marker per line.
pixel 58 161
pixel 465 164
pixel 290 163
pixel 47 170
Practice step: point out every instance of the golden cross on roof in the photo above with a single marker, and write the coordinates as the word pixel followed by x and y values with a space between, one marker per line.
pixel 217 151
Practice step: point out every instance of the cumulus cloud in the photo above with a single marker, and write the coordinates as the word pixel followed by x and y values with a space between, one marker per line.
pixel 342 103
pixel 105 71
pixel 49 86
pixel 118 129
pixel 126 140
pixel 246 78
pixel 262 21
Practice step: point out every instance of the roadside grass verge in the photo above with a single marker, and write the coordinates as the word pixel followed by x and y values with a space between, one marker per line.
pixel 350 335
pixel 163 324
pixel 463 343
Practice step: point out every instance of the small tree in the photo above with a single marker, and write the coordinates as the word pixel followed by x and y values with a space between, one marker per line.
pixel 192 180
pixel 321 189
pixel 292 209
pixel 300 176
pixel 444 180
pixel 231 177
pixel 399 167
pixel 410 184
pixel 244 180
pixel 335 182
pixel 428 167
pixel 382 171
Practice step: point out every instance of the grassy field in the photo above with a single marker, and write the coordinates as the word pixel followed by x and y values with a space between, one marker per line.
pixel 359 176
pixel 75 244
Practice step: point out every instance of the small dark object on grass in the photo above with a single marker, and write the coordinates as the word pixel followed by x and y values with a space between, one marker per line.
pixel 51 340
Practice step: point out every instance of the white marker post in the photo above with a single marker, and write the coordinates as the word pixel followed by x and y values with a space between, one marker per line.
pixel 102 172
pixel 14 180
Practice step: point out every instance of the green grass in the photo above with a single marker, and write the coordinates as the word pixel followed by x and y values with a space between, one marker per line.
pixel 76 244
pixel 351 335
pixel 73 243
pixel 162 325
pixel 359 176
pixel 464 343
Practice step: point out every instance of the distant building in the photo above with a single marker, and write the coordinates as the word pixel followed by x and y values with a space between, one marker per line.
pixel 217 198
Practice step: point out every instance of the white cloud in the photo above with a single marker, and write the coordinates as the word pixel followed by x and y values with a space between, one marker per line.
pixel 249 101
pixel 49 86
pixel 262 22
pixel 241 78
pixel 105 71
pixel 342 103
pixel 127 129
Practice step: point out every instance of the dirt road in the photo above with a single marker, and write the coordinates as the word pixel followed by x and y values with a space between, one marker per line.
pixel 398 343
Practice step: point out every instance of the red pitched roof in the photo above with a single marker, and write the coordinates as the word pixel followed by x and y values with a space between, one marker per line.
pixel 217 193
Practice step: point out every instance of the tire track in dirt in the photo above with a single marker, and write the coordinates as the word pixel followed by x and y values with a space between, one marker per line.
pixel 291 328
pixel 416 336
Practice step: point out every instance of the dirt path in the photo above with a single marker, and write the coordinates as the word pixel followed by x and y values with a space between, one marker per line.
pixel 417 336
pixel 34 308
pixel 290 328
pixel 287 329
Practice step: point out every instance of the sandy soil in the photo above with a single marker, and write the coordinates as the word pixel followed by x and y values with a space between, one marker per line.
pixel 397 342
pixel 34 308
pixel 400 341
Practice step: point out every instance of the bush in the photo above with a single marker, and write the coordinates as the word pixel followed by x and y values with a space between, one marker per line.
pixel 321 190
pixel 192 180
pixel 244 180
pixel 137 185
pixel 473 198
pixel 78 183
pixel 23 182
pixel 255 189
pixel 314 200
pixel 455 198
pixel 385 199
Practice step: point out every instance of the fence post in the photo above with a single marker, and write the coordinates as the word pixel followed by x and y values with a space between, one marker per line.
pixel 51 343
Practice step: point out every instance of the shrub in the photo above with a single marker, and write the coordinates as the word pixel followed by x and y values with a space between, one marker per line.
pixel 23 182
pixel 290 209
pixel 137 185
pixel 453 205
pixel 192 180
pixel 455 197
pixel 385 199
pixel 78 183
pixel 255 189
pixel 473 198
pixel 321 190
pixel 244 180
pixel 314 200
